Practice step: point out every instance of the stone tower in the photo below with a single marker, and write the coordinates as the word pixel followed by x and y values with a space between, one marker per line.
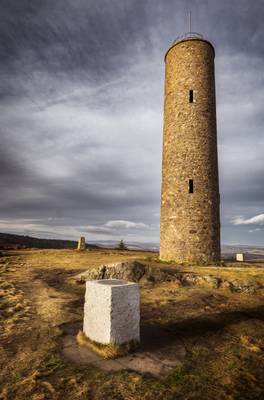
pixel 190 221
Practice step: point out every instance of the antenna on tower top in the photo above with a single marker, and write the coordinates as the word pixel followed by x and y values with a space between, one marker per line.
pixel 188 34
pixel 190 21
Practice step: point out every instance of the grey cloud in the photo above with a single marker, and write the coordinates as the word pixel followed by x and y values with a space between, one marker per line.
pixel 256 220
pixel 81 98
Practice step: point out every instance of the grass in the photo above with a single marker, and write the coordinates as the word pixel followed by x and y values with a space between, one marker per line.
pixel 222 332
pixel 106 351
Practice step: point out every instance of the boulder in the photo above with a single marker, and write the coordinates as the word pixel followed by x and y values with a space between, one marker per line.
pixel 244 286
pixel 90 274
pixel 131 271
pixel 212 281
pixel 135 271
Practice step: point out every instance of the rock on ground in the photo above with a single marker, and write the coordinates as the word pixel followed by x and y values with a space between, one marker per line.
pixel 135 271
pixel 129 271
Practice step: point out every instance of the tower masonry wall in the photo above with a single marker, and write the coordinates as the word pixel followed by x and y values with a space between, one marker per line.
pixel 190 223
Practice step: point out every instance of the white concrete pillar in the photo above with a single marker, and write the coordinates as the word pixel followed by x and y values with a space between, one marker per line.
pixel 112 311
pixel 240 257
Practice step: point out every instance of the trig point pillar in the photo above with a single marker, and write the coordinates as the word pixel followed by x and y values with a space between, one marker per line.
pixel 81 244
pixel 112 311
pixel 190 221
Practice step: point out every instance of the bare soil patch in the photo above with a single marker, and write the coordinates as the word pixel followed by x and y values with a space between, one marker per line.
pixel 158 354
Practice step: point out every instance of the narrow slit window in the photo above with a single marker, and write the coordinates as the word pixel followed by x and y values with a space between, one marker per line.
pixel 190 185
pixel 191 96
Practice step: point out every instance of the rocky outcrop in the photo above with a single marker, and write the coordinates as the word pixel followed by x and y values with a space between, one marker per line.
pixel 133 271
pixel 129 271
pixel 243 286
pixel 191 279
pixel 145 274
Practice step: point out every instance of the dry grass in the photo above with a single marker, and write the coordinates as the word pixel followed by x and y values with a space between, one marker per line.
pixel 108 351
pixel 222 332
pixel 244 271
pixel 73 259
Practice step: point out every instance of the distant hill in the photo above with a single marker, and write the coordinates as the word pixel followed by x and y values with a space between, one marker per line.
pixel 9 241
pixel 131 245
pixel 250 252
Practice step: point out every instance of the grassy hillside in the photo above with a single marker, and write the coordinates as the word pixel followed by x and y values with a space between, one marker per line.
pixel 9 241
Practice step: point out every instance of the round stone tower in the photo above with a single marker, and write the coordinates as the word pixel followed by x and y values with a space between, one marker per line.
pixel 190 221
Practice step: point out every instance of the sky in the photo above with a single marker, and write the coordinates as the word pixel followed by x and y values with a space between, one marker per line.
pixel 81 103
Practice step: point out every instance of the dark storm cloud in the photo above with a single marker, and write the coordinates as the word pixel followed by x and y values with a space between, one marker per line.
pixel 246 187
pixel 70 37
pixel 81 98
pixel 9 167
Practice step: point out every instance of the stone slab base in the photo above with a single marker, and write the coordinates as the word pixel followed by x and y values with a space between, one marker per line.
pixel 159 354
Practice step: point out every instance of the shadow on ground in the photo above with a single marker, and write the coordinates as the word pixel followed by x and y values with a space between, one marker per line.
pixel 162 348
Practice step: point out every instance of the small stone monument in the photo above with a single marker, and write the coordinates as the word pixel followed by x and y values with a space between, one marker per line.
pixel 112 311
pixel 240 257
pixel 81 244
